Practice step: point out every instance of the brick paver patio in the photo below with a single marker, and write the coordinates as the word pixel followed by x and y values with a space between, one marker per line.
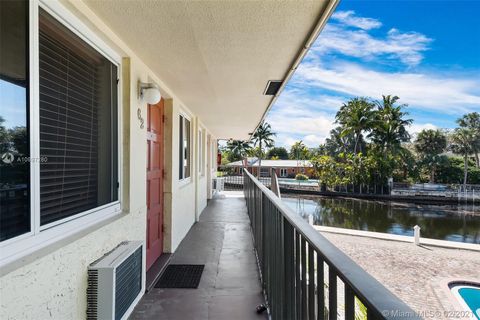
pixel 417 275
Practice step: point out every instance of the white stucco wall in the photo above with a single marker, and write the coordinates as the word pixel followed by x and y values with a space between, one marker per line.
pixel 183 191
pixel 201 191
pixel 201 194
pixel 54 285
pixel 183 208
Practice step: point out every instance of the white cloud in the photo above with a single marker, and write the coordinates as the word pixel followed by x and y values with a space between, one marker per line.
pixel 294 101
pixel 407 47
pixel 348 18
pixel 438 93
pixel 415 128
pixel 303 119
pixel 285 140
pixel 313 140
pixel 302 124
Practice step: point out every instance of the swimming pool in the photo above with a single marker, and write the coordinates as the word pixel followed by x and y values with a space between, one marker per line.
pixel 469 298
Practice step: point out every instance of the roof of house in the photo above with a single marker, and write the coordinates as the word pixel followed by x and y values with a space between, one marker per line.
pixel 253 162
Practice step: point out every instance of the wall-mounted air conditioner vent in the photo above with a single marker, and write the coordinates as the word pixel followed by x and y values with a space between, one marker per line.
pixel 218 184
pixel 115 282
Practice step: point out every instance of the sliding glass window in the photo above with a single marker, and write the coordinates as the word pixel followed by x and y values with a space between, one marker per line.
pixel 74 124
pixel 14 114
pixel 78 124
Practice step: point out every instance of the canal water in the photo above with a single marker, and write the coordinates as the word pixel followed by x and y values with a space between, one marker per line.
pixel 446 222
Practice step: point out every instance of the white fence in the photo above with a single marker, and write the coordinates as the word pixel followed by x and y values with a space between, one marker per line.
pixel 458 191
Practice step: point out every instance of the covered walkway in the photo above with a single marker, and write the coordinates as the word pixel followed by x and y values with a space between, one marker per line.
pixel 230 286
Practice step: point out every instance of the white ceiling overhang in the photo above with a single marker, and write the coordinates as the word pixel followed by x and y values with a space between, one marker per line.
pixel 217 56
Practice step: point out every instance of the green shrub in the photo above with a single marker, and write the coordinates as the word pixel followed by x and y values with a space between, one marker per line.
pixel 301 177
pixel 451 171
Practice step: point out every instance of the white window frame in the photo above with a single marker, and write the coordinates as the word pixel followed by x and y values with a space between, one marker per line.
pixel 283 172
pixel 42 236
pixel 183 179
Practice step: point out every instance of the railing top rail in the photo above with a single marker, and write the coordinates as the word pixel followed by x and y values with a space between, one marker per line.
pixel 371 292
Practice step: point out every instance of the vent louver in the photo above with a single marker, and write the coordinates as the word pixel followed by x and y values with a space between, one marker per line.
pixel 115 282
pixel 128 278
pixel 272 87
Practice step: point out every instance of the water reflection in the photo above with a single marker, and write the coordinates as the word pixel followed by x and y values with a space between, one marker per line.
pixel 14 139
pixel 14 171
pixel 448 222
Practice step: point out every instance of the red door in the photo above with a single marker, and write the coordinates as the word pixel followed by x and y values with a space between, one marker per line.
pixel 154 182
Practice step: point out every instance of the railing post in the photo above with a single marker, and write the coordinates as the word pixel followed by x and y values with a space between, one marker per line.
pixel 263 236
pixel 349 303
pixel 304 276
pixel 332 294
pixel 274 186
pixel 320 288
pixel 282 267
pixel 311 283
pixel 289 258
pixel 298 284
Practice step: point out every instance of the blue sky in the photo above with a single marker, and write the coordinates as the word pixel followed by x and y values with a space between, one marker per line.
pixel 425 52
pixel 13 102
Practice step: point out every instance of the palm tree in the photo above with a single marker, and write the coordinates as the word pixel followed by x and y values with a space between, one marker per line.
pixel 263 137
pixel 339 143
pixel 390 128
pixel 430 144
pixel 472 121
pixel 238 148
pixel 299 151
pixel 356 117
pixel 406 163
pixel 461 143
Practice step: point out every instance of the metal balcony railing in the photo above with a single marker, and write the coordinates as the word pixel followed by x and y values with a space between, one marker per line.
pixel 233 178
pixel 300 269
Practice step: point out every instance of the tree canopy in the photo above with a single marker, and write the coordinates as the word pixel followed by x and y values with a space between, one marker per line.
pixel 430 144
pixel 356 117
pixel 371 143
pixel 299 151
pixel 277 153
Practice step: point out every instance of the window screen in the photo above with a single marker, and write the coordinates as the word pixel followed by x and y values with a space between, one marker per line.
pixel 78 124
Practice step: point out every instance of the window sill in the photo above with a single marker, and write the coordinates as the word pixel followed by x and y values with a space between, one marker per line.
pixel 24 251
pixel 184 182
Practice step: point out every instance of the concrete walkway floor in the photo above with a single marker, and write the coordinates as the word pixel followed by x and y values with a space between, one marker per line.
pixel 230 286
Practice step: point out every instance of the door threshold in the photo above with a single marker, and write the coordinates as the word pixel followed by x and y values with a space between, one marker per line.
pixel 156 270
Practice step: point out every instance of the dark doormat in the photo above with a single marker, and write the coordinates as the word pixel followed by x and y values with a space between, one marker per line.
pixel 185 276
